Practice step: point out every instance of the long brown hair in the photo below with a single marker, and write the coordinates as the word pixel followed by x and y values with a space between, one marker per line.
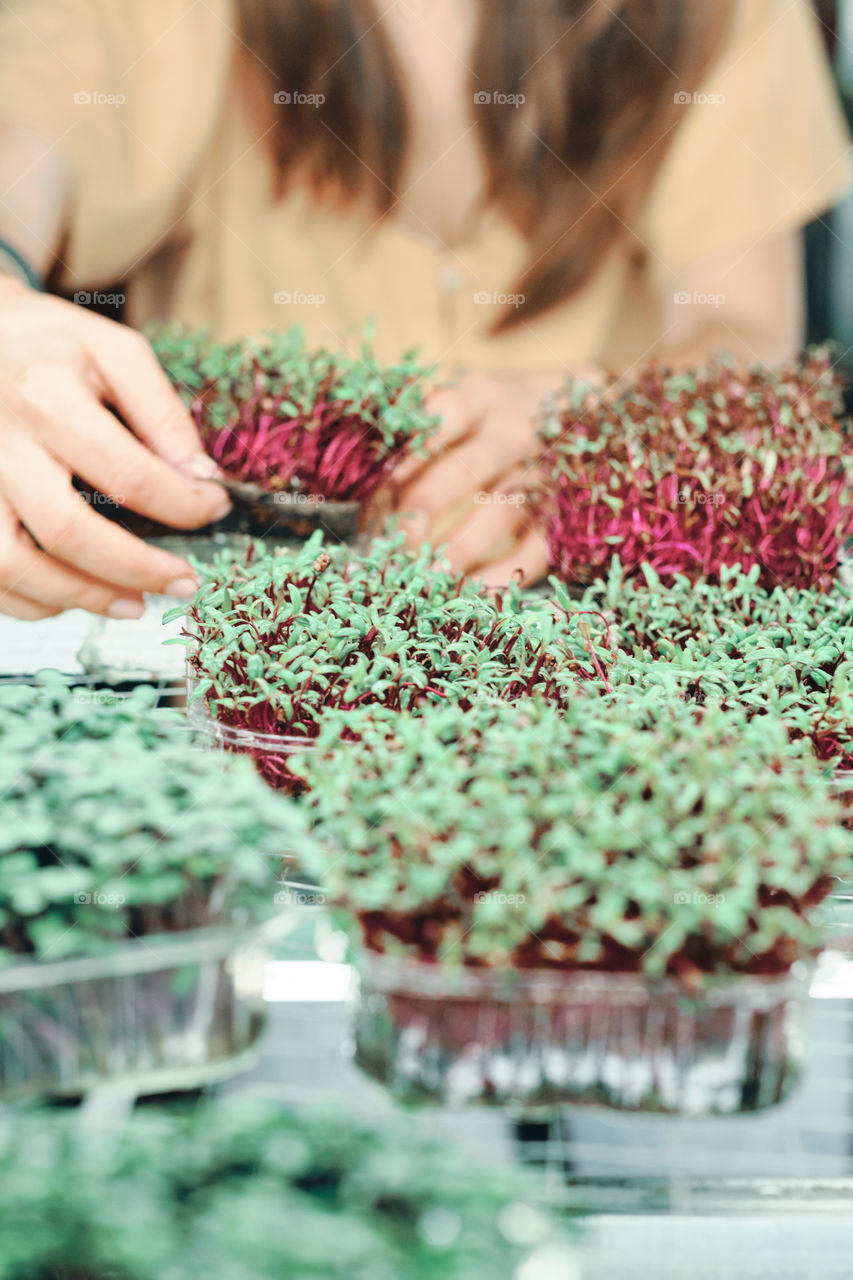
pixel 603 83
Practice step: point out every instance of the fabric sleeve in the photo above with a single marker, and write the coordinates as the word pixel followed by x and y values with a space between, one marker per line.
pixel 763 147
pixel 130 91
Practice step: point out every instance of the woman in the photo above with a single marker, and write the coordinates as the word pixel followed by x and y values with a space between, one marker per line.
pixel 526 189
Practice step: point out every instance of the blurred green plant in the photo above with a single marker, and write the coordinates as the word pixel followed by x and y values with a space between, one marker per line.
pixel 114 827
pixel 252 1191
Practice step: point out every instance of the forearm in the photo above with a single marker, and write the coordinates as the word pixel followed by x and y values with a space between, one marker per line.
pixel 35 187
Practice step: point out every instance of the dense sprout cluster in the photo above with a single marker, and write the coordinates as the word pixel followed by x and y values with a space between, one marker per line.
pixel 252 1189
pixel 276 414
pixel 785 653
pixel 616 834
pixel 279 639
pixel 113 829
pixel 691 471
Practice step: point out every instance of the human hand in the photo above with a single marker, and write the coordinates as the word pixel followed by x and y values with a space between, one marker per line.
pixel 482 461
pixel 61 370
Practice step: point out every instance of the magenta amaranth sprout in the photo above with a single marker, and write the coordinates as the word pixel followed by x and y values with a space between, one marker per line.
pixel 272 412
pixel 690 471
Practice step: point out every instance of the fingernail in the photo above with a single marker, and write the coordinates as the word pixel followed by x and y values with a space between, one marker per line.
pixel 221 510
pixel 126 609
pixel 201 467
pixel 183 588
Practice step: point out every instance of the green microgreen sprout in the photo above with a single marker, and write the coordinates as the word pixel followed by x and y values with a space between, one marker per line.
pixel 617 834
pixel 783 652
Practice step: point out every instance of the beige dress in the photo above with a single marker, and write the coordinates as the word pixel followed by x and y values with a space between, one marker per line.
pixel 172 191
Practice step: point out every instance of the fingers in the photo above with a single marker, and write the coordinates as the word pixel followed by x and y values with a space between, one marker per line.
pixel 47 583
pixel 38 488
pixel 465 470
pixel 147 401
pixel 454 408
pixel 487 427
pixel 527 563
pixel 16 606
pixel 489 532
pixel 95 446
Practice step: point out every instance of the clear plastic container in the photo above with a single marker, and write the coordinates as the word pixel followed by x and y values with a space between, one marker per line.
pixel 842 784
pixel 133 650
pixel 837 910
pixel 269 751
pixel 156 1014
pixel 432 1033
